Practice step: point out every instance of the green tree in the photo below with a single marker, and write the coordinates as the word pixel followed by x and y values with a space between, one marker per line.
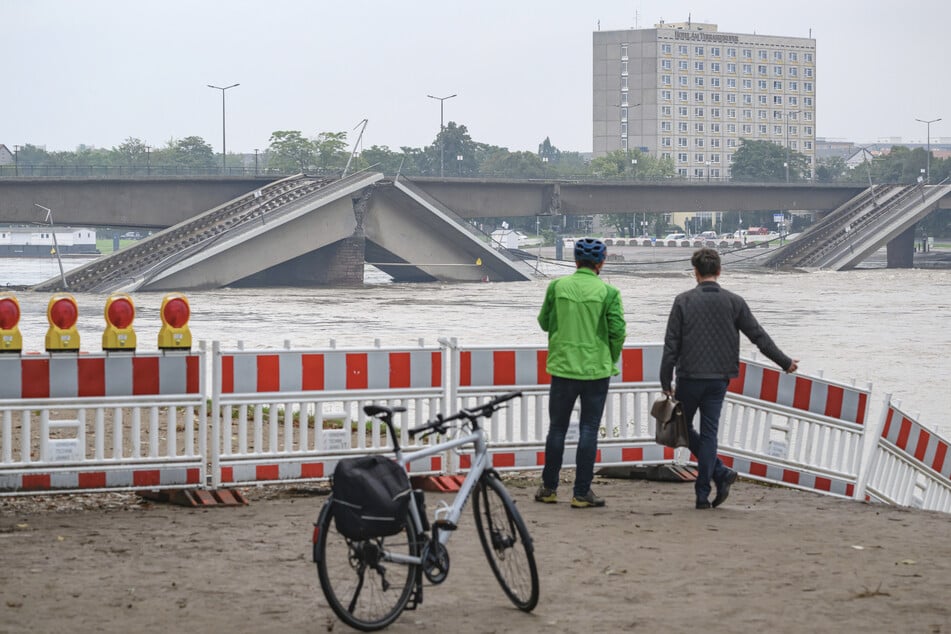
pixel 290 151
pixel 130 152
pixel 192 152
pixel 764 161
pixel 513 164
pixel 332 152
pixel 830 170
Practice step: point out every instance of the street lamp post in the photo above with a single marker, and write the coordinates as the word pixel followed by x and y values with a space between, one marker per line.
pixel 148 160
pixel 442 101
pixel 16 160
pixel 224 146
pixel 59 259
pixel 928 159
pixel 255 161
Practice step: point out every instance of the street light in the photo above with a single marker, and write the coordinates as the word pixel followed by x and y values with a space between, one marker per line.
pixel 442 142
pixel 255 161
pixel 928 160
pixel 16 160
pixel 59 259
pixel 148 160
pixel 224 146
pixel 708 171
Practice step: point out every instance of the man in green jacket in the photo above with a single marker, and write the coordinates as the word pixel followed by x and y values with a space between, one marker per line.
pixel 586 329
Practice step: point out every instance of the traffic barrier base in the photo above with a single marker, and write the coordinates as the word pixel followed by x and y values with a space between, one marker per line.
pixel 658 473
pixel 438 483
pixel 197 497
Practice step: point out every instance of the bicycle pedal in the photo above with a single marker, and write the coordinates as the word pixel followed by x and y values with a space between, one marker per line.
pixel 444 525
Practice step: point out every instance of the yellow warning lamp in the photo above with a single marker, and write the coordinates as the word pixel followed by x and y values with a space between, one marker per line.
pixel 62 313
pixel 120 313
pixel 174 333
pixel 10 339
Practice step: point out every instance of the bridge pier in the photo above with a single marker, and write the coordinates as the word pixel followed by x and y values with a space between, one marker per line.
pixel 901 250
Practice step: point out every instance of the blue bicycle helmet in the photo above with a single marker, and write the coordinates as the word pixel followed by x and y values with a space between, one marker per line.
pixel 590 250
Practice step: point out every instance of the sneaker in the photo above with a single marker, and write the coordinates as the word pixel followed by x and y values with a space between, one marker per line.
pixel 548 496
pixel 589 499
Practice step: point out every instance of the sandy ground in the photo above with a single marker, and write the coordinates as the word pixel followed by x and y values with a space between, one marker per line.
pixel 769 560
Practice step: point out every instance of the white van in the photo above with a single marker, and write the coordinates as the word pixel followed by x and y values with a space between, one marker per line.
pixel 676 236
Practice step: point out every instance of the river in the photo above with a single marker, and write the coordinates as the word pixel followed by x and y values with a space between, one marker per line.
pixel 887 327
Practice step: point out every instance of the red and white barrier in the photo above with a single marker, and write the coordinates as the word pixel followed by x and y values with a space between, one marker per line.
pixel 910 465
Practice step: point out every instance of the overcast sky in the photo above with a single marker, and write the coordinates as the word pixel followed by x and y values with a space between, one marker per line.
pixel 96 72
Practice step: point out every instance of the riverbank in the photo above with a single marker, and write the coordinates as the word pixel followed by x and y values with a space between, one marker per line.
pixel 770 559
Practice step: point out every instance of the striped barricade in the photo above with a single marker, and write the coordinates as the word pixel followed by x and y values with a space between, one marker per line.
pixel 290 415
pixel 102 422
pixel 910 465
pixel 796 430
pixel 517 432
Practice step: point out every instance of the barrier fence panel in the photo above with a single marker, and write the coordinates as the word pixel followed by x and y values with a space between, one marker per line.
pixel 291 415
pixel 102 422
pixel 797 430
pixel 517 433
pixel 910 465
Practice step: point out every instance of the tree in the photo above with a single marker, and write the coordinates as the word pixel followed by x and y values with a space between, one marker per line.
pixel 831 169
pixel 453 142
pixel 290 151
pixel 514 165
pixel 192 151
pixel 130 152
pixel 331 150
pixel 764 161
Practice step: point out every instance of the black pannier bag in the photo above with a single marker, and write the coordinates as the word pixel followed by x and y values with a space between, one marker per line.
pixel 371 496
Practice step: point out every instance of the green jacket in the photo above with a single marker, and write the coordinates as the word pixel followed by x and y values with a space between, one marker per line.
pixel 585 324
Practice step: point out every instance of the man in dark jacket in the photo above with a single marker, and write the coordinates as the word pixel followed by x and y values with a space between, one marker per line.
pixel 703 343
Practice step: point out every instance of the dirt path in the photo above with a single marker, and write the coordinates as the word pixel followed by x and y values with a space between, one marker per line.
pixel 771 560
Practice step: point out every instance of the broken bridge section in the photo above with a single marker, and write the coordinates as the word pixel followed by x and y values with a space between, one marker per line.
pixel 302 231
pixel 879 216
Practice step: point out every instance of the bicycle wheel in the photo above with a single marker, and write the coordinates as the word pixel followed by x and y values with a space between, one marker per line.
pixel 363 586
pixel 506 542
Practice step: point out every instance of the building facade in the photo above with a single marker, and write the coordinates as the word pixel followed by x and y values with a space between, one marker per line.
pixel 688 92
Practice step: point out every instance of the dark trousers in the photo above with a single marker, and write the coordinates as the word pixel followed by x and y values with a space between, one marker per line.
pixel 706 395
pixel 561 401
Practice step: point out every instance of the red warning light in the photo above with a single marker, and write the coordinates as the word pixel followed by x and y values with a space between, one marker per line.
pixel 63 313
pixel 176 312
pixel 121 312
pixel 9 313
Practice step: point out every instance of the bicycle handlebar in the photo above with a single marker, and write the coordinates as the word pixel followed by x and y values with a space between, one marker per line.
pixel 438 424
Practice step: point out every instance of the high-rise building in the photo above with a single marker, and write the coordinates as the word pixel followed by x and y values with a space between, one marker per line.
pixel 689 92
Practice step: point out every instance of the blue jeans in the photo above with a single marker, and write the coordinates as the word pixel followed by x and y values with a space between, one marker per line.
pixel 706 395
pixel 561 401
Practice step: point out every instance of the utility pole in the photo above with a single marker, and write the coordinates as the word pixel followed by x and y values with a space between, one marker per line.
pixel 442 101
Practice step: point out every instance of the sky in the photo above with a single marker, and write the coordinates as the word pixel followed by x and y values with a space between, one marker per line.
pixel 98 72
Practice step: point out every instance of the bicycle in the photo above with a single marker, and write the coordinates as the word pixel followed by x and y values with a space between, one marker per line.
pixel 369 583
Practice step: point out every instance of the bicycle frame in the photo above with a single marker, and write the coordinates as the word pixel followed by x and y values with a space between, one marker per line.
pixel 451 514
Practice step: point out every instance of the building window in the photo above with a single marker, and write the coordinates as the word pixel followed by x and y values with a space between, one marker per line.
pixel 681 141
pixel 665 141
pixel 748 84
pixel 762 100
pixel 715 127
pixel 748 53
pixel 698 127
pixel 715 82
pixel 731 143
pixel 682 171
pixel 731 68
pixel 624 101
pixel 665 79
pixel 747 128
pixel 763 129
pixel 666 111
pixel 793 71
pixel 665 156
pixel 777 100
pixel 714 142
pixel 778 56
pixel 731 128
pixel 747 114
pixel 666 64
pixel 665 126
pixel 793 130
pixel 623 114
pixel 807 101
pixel 807 145
pixel 698 51
pixel 682 80
pixel 778 71
pixel 698 66
pixel 761 84
pixel 698 97
pixel 698 172
pixel 682 111
pixel 681 157
pixel 623 129
pixel 715 113
pixel 777 130
pixel 623 51
pixel 777 114
pixel 761 114
pixel 698 142
pixel 777 85
pixel 682 126
pixel 748 99
pixel 699 157
pixel 624 68
pixel 665 95
pixel 731 82
pixel 623 83
pixel 666 49
pixel 731 97
pixel 683 65
pixel 731 114
pixel 793 101
pixel 715 51
pixel 715 97
pixel 698 81
pixel 682 95
pixel 761 69
pixel 682 49
pixel 623 143
pixel 807 130
pixel 731 52
pixel 807 72
pixel 793 56
pixel 714 67
pixel 807 57
pixel 807 86
pixel 747 69
pixel 762 55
